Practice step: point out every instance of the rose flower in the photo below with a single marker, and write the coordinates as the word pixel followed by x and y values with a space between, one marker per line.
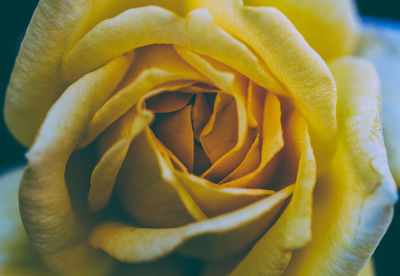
pixel 212 137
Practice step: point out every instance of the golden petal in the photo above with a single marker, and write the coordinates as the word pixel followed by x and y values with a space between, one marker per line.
pixel 149 191
pixel 272 143
pixel 226 234
pixel 175 131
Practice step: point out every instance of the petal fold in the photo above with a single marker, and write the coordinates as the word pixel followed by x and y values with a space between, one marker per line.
pixel 227 234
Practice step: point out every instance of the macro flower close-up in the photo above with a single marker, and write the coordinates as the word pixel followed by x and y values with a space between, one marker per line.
pixel 200 137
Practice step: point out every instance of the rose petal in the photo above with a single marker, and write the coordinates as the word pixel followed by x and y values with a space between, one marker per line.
pixel 354 202
pixel 291 60
pixel 106 171
pixel 45 203
pixel 368 269
pixel 272 143
pixel 215 199
pixel 220 134
pixel 381 46
pixel 201 113
pixel 196 31
pixel 154 66
pixel 36 80
pixel 255 104
pixel 17 257
pixel 272 253
pixel 226 234
pixel 329 26
pixel 149 191
pixel 229 81
pixel 169 101
pixel 249 164
pixel 175 131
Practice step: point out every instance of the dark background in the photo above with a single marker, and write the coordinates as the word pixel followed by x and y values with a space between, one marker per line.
pixel 14 20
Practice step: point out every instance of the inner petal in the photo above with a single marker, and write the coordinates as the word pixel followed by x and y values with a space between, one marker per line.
pixel 169 101
pixel 221 132
pixel 201 113
pixel 175 131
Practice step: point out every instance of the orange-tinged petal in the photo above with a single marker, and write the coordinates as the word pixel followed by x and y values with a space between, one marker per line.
pixel 220 134
pixel 226 234
pixel 169 101
pixel 354 202
pixel 175 131
pixel 201 113
pixel 249 164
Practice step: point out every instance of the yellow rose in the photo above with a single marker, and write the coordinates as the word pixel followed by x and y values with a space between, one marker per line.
pixel 207 136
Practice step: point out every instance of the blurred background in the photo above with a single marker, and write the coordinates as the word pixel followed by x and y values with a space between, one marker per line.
pixel 14 20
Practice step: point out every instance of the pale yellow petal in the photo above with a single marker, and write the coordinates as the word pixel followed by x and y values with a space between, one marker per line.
pixel 36 81
pixel 226 234
pixel 17 257
pixel 368 269
pixel 381 46
pixel 272 253
pixel 354 202
pixel 329 26
pixel 45 202
pixel 196 31
pixel 291 60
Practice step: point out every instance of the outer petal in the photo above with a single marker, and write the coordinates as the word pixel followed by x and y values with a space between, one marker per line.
pixel 354 201
pixel 382 47
pixel 17 257
pixel 329 26
pixel 196 31
pixel 45 202
pixel 36 80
